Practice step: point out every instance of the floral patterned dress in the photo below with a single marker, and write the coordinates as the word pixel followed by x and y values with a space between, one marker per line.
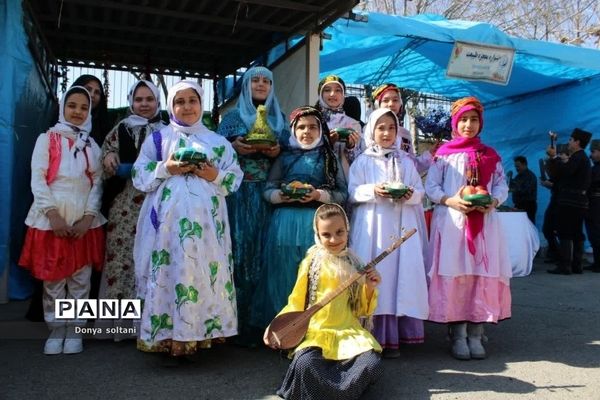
pixel 182 253
pixel 118 277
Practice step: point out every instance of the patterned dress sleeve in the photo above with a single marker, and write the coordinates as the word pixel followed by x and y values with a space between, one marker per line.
pixel 423 162
pixel 353 153
pixel 230 174
pixel 147 172
pixel 111 142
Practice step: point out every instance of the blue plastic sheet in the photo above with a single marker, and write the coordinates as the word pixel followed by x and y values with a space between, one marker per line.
pixel 27 110
pixel 414 52
pixel 14 69
pixel 552 87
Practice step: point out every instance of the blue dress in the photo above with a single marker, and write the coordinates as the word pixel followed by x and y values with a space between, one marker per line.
pixel 248 217
pixel 290 232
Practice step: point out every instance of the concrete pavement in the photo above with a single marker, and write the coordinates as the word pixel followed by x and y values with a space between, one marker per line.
pixel 550 349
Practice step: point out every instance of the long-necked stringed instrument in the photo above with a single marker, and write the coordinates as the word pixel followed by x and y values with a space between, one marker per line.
pixel 287 330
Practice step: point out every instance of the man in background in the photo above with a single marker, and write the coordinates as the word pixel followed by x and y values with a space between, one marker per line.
pixel 549 227
pixel 574 175
pixel 592 219
pixel 524 188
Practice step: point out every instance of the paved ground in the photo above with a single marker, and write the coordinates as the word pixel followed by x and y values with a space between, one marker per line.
pixel 550 349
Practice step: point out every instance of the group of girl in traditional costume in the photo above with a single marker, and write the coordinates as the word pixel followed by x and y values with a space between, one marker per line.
pixel 65 239
pixel 309 159
pixel 207 268
pixel 470 266
pixel 377 216
pixel 119 151
pixel 248 212
pixel 184 264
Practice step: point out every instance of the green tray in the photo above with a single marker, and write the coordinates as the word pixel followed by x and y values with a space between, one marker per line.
pixel 343 133
pixel 481 200
pixel 261 141
pixel 294 193
pixel 396 192
pixel 189 155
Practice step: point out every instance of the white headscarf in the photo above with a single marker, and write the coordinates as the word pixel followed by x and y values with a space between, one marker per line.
pixel 80 133
pixel 137 120
pixel 373 148
pixel 198 126
pixel 295 144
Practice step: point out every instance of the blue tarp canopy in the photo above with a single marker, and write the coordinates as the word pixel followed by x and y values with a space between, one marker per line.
pixel 414 52
pixel 552 86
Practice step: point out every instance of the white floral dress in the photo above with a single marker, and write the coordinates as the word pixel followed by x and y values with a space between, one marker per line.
pixel 182 249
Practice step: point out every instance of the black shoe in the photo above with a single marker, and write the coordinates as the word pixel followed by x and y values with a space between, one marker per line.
pixel 559 271
pixel 550 261
pixel 169 361
pixel 391 353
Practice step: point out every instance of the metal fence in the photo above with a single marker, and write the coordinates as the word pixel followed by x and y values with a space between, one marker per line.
pixel 118 84
pixel 415 103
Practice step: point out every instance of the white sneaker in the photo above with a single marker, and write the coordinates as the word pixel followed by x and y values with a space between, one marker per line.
pixel 73 346
pixel 54 343
pixel 73 342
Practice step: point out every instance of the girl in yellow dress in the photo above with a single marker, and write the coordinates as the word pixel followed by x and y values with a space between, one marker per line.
pixel 338 358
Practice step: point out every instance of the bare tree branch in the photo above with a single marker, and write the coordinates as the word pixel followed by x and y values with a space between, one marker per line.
pixel 569 21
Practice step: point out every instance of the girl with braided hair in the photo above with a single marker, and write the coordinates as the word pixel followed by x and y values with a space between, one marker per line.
pixel 310 162
pixel 332 94
pixel 338 358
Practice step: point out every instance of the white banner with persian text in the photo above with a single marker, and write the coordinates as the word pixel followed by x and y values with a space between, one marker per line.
pixel 480 62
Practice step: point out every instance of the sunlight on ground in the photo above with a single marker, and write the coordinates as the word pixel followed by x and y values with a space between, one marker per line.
pixel 544 378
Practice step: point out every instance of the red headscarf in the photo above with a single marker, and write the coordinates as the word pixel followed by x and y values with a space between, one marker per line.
pixel 482 159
